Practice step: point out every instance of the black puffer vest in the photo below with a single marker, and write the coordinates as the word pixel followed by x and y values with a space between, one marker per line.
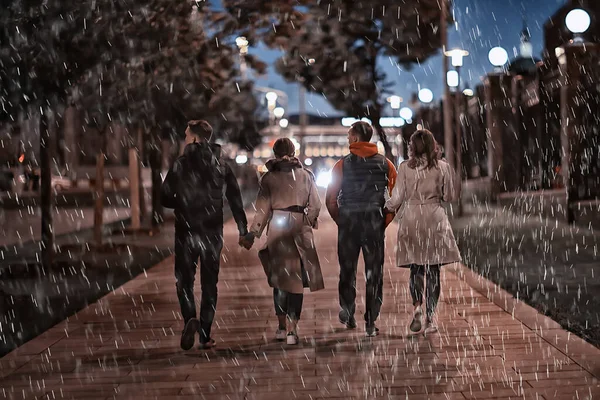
pixel 364 183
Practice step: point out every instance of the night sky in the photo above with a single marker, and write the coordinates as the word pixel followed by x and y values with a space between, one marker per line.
pixel 481 25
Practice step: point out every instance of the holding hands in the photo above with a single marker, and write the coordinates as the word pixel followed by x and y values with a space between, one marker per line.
pixel 247 241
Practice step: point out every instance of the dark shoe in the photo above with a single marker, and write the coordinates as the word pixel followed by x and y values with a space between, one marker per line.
pixel 372 330
pixel 347 320
pixel 207 345
pixel 188 336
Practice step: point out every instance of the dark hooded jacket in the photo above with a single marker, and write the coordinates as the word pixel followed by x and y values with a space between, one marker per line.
pixel 194 189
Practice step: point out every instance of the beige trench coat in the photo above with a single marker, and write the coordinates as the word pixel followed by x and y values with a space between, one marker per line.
pixel 289 257
pixel 424 233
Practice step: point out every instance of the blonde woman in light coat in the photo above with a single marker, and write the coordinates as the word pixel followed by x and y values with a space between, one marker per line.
pixel 425 238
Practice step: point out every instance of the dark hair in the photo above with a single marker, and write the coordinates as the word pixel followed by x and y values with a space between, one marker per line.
pixel 422 144
pixel 201 128
pixel 363 130
pixel 284 147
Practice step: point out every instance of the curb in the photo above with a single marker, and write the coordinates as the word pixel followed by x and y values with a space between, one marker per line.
pixel 583 353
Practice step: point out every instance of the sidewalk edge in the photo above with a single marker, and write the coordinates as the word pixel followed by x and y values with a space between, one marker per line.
pixel 583 353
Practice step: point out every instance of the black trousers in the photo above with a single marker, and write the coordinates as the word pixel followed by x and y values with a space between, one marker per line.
pixel 287 303
pixel 432 286
pixel 189 248
pixel 363 230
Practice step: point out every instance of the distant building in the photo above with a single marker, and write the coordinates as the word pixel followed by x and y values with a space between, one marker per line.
pixel 325 141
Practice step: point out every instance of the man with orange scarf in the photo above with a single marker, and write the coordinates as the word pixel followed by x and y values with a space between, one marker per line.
pixel 355 199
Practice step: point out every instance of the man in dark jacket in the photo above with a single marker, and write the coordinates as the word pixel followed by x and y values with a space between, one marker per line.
pixel 355 199
pixel 194 188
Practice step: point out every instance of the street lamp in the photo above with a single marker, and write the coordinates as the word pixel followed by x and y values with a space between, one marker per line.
pixel 406 113
pixel 242 44
pixel 575 59
pixel 308 62
pixel 283 123
pixel 456 57
pixel 271 104
pixel 271 99
pixel 498 57
pixel 452 79
pixel 278 112
pixel 394 102
pixel 425 96
pixel 577 21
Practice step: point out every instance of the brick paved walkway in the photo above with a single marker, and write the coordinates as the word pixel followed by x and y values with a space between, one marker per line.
pixel 127 345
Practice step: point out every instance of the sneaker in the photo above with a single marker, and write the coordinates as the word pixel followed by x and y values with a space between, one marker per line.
pixel 292 338
pixel 280 334
pixel 430 326
pixel 188 336
pixel 207 345
pixel 372 330
pixel 416 324
pixel 349 321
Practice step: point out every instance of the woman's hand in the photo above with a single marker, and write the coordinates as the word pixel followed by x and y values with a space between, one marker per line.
pixel 247 241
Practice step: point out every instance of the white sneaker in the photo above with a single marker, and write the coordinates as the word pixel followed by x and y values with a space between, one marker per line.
pixel 280 334
pixel 292 338
pixel 416 323
pixel 430 327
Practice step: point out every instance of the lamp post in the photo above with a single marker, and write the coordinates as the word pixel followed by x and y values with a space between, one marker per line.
pixel 395 102
pixel 456 57
pixel 448 145
pixel 575 59
pixel 497 105
pixel 278 113
pixel 242 44
pixel 271 105
pixel 302 101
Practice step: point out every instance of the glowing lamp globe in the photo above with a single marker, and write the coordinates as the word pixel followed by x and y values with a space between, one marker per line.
pixel 271 97
pixel 578 21
pixel 498 57
pixel 452 78
pixel 406 113
pixel 284 123
pixel 278 112
pixel 425 96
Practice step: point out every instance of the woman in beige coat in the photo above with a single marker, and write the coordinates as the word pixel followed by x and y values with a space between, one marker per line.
pixel 425 238
pixel 288 203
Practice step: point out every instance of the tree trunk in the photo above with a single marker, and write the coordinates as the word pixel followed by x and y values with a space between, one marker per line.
pixel 140 148
pixel 134 188
pixel 46 191
pixel 155 166
pixel 99 196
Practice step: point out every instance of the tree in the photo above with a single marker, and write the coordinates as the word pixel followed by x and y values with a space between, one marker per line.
pixel 347 39
pixel 45 47
pixel 182 67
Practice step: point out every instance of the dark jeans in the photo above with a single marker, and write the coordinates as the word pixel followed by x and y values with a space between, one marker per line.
pixel 363 230
pixel 287 303
pixel 432 290
pixel 189 247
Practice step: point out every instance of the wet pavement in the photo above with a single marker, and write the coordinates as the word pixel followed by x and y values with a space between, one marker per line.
pixel 550 265
pixel 127 344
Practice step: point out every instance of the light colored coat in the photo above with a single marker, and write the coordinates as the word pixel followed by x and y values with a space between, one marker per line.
pixel 424 233
pixel 289 257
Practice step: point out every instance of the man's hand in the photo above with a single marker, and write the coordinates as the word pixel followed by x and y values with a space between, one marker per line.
pixel 247 241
